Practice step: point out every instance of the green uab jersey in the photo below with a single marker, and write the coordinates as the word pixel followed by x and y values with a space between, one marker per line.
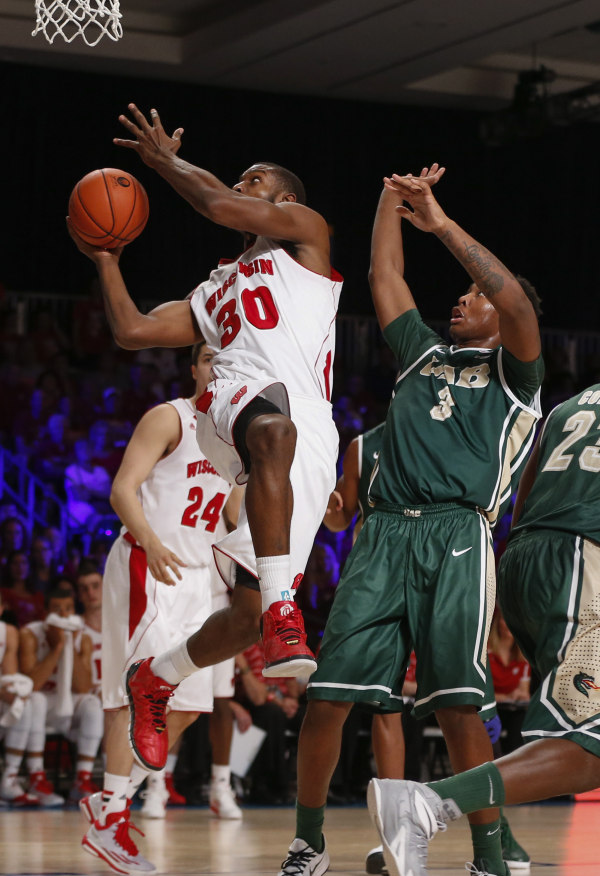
pixel 460 423
pixel 566 491
pixel 368 451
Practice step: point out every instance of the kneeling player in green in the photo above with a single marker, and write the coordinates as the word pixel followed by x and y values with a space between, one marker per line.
pixel 422 571
pixel 549 589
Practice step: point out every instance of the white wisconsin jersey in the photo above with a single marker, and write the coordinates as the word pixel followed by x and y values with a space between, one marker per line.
pixel 96 638
pixel 267 317
pixel 183 496
pixel 3 638
pixel 42 650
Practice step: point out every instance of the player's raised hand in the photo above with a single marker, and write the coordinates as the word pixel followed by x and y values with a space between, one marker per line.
pixel 425 213
pixel 163 563
pixel 151 141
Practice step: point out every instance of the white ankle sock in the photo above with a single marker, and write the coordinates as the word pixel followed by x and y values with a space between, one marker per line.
pixel 274 579
pixel 114 795
pixel 220 773
pixel 174 665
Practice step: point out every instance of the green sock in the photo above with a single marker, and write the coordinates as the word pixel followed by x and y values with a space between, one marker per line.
pixel 309 825
pixel 479 788
pixel 487 845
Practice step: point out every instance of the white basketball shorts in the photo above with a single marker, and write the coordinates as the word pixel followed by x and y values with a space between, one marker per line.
pixel 313 473
pixel 142 617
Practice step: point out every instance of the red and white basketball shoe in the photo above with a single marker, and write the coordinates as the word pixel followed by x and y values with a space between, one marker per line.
pixel 148 699
pixel 112 844
pixel 284 641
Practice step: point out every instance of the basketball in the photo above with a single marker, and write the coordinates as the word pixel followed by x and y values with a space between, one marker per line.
pixel 108 208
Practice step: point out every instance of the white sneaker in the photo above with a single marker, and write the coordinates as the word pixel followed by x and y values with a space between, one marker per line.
pixel 155 797
pixel 302 860
pixel 91 806
pixel 222 800
pixel 12 791
pixel 113 845
pixel 407 816
pixel 375 863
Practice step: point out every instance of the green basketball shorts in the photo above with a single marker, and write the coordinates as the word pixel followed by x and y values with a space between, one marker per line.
pixel 549 589
pixel 419 577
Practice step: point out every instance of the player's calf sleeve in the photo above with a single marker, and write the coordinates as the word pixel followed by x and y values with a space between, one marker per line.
pixel 479 788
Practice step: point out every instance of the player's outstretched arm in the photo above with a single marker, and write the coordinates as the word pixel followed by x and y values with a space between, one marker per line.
pixel 343 502
pixel 170 325
pixel 391 295
pixel 155 436
pixel 287 220
pixel 519 328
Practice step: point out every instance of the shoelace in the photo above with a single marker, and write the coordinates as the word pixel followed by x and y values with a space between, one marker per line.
pixel 157 705
pixel 122 836
pixel 295 862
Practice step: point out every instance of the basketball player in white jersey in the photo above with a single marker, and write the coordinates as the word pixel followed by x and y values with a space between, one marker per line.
pixel 57 655
pixel 157 587
pixel 265 420
pixel 14 732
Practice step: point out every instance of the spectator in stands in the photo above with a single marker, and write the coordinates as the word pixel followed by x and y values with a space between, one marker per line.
pixel 91 335
pixel 48 339
pixel 112 409
pixel 43 570
pixel 13 537
pixel 57 543
pixel 511 675
pixel 21 604
pixel 87 487
pixel 143 393
pixel 15 717
pixel 273 705
pixel 57 655
pixel 52 452
pixel 103 452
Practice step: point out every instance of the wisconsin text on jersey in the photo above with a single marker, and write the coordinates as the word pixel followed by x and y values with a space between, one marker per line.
pixel 257 266
pixel 202 466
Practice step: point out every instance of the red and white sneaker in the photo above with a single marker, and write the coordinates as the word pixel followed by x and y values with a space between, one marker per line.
pixel 284 641
pixel 13 792
pixel 112 844
pixel 43 789
pixel 148 699
pixel 175 798
pixel 83 787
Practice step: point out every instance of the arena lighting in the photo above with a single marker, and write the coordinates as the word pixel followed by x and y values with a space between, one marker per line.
pixel 533 111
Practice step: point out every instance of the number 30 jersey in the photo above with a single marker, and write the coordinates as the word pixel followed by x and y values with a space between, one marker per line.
pixel 183 496
pixel 267 317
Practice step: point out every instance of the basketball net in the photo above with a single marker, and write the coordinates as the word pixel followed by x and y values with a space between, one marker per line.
pixel 90 19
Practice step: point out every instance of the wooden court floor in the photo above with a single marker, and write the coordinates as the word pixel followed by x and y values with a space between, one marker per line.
pixel 563 839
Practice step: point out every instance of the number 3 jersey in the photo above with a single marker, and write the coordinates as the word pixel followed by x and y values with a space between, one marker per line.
pixel 460 423
pixel 566 492
pixel 268 317
pixel 183 496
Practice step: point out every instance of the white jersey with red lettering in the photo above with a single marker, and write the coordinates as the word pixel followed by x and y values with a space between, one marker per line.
pixel 183 496
pixel 269 318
